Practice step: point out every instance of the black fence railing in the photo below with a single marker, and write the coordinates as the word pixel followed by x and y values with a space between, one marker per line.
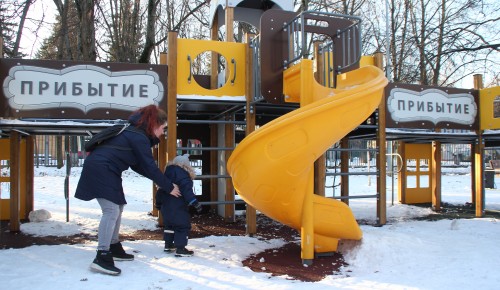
pixel 362 153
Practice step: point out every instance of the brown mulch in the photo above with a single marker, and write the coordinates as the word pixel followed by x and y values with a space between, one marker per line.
pixel 280 261
pixel 286 261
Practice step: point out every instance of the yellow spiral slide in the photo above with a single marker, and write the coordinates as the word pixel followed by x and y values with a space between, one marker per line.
pixel 273 168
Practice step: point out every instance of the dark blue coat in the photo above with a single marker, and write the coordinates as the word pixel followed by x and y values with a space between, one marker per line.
pixel 175 210
pixel 102 171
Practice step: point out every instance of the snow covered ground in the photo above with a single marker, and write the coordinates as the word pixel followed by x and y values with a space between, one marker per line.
pixel 403 254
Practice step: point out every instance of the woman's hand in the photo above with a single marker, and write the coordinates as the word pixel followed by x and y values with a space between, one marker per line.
pixel 175 192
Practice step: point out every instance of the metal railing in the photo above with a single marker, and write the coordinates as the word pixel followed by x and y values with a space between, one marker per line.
pixel 361 152
pixel 348 39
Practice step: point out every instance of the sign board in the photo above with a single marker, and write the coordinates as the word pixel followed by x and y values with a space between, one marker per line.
pixel 425 107
pixel 79 90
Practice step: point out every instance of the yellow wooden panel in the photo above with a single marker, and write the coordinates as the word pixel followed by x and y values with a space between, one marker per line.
pixel 487 98
pixel 418 179
pixel 5 203
pixel 235 55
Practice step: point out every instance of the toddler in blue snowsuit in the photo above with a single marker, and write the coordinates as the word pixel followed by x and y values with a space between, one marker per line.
pixel 174 210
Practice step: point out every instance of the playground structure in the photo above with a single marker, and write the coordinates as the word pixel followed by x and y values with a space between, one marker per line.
pixel 302 108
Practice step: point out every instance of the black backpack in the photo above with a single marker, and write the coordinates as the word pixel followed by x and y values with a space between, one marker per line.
pixel 104 135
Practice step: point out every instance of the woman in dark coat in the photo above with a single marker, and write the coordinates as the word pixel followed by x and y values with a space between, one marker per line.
pixel 101 179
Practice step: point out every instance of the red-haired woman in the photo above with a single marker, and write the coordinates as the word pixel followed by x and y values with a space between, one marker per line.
pixel 101 179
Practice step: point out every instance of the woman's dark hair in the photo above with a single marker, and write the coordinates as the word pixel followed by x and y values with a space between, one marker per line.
pixel 150 118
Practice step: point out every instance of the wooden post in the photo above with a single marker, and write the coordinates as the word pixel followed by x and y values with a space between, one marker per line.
pixel 436 175
pixel 229 13
pixel 473 172
pixel 161 151
pixel 214 166
pixel 154 211
pixel 344 168
pixel 15 184
pixel 214 128
pixel 379 60
pixel 251 213
pixel 214 35
pixel 229 128
pixel 172 96
pixel 229 142
pixel 478 84
pixel 478 81
pixel 402 173
pixel 162 147
pixel 30 173
pixel 320 163
pixel 478 169
pixel 382 154
pixel 229 24
pixel 478 174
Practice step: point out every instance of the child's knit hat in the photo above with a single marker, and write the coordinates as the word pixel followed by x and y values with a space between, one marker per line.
pixel 181 160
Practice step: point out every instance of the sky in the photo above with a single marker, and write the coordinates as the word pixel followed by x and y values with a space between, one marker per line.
pixel 403 254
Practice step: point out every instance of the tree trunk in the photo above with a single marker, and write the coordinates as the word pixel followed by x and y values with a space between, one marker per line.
pixel 86 45
pixel 15 50
pixel 149 45
pixel 437 68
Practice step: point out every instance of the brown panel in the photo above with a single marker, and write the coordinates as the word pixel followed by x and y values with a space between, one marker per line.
pixel 71 112
pixel 425 124
pixel 274 46
pixel 273 49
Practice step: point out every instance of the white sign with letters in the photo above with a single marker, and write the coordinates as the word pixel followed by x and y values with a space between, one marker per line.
pixel 84 87
pixel 431 105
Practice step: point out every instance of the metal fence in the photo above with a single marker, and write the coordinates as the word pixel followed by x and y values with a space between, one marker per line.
pixel 53 150
pixel 363 153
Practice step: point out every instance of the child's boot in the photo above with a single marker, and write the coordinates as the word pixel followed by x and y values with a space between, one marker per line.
pixel 183 252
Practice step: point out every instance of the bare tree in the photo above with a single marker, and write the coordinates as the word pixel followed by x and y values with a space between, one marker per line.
pixel 7 25
pixel 435 42
pixel 132 37
pixel 11 12
pixel 86 37
pixel 401 48
pixel 64 48
pixel 25 7
pixel 448 38
pixel 123 26
pixel 149 43
pixel 63 42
